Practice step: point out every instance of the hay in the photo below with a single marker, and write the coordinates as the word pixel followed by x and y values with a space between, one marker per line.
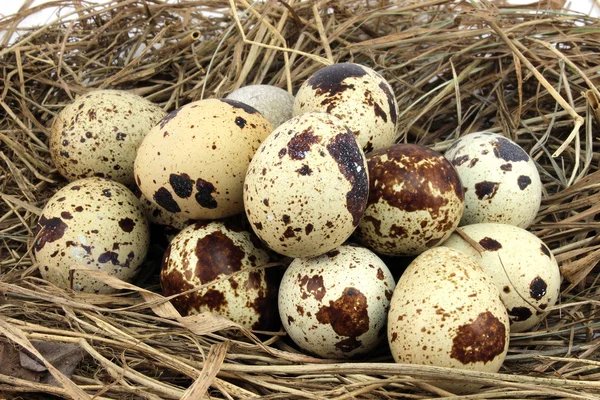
pixel 530 73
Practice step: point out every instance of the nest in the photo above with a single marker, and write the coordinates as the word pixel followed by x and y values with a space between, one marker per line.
pixel 530 73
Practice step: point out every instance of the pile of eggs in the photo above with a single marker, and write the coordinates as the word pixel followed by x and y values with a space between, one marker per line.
pixel 321 186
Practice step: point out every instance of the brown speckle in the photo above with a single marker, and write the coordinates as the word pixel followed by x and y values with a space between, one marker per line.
pixel 490 244
pixel 519 314
pixel 481 341
pixel 348 344
pixel 394 337
pixel 165 199
pixel 50 230
pixel 66 215
pixel 217 255
pixel 109 256
pixel 301 143
pixel 314 286
pixel 347 315
pixel 509 151
pixel 486 190
pixel 380 275
pixel 182 185
pixel 305 170
pixel 523 181
pixel 308 229
pixel 537 288
pixel 506 167
pixel 458 161
pixel 545 250
pixel 390 99
pixel 204 196
pixel 241 122
pixel 328 81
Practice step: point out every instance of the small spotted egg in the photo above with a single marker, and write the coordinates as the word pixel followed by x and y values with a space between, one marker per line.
pixel 357 95
pixel 446 312
pixel 336 305
pixel 307 186
pixel 95 223
pixel 194 161
pixel 98 134
pixel 274 103
pixel 501 181
pixel 416 200
pixel 520 265
pixel 204 253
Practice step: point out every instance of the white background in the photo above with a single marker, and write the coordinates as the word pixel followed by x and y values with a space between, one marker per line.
pixel 8 7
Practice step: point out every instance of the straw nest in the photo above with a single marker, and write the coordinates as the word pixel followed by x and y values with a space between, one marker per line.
pixel 528 73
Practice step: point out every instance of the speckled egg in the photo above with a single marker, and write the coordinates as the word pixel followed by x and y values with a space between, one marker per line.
pixel 336 305
pixel 501 181
pixel 416 200
pixel 357 95
pixel 446 312
pixel 521 266
pixel 194 161
pixel 274 103
pixel 307 186
pixel 98 134
pixel 155 214
pixel 206 252
pixel 95 223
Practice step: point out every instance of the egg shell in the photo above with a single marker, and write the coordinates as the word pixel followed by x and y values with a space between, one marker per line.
pixel 416 200
pixel 307 186
pixel 274 103
pixel 95 223
pixel 446 312
pixel 336 305
pixel 520 265
pixel 99 133
pixel 357 95
pixel 210 252
pixel 194 161
pixel 501 181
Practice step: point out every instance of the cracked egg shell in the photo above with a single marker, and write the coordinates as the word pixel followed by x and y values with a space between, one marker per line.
pixel 307 186
pixel 274 103
pixel 99 133
pixel 501 181
pixel 95 223
pixel 357 95
pixel 416 200
pixel 446 312
pixel 521 266
pixel 206 252
pixel 335 305
pixel 194 161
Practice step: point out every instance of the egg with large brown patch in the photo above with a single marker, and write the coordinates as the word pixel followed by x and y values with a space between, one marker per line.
pixel 521 266
pixel 224 258
pixel 416 200
pixel 98 134
pixel 194 161
pixel 93 223
pixel 335 305
pixel 357 95
pixel 307 186
pixel 447 312
pixel 501 181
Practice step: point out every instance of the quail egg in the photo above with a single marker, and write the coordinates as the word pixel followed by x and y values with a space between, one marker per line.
pixel 274 103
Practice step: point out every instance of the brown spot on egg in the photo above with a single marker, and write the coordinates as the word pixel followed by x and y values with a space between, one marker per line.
pixel 79 209
pixel 328 81
pixel 523 181
pixel 289 233
pixel 378 111
pixel 394 337
pixel 314 287
pixel 480 341
pixel 204 196
pixel 265 306
pixel 308 228
pixel 537 288
pixel 305 170
pixel 458 161
pixel 258 226
pixel 300 310
pixel 217 255
pixel 165 199
pixel 213 299
pixel 106 193
pixel 490 244
pixel 346 152
pixel 240 105
pixel 486 190
pixel 545 250
pixel 182 185
pixel 506 167
pixel 121 136
pixel 375 222
pixel 109 257
pixel 241 122
pixel 348 345
pixel 126 224
pixel 286 219
pixel 51 230
pixel 266 202
pixel 347 315
pixel 509 151
pixel 391 100
pixel 388 294
pixel 332 253
pixel 66 215
pixel 300 144
pixel 397 231
pixel 519 314
pixel 473 162
pixel 290 319
pixel 506 289
pixel 282 152
pixel 380 274
pixel 420 172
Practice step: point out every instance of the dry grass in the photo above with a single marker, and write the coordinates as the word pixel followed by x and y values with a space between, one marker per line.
pixel 456 68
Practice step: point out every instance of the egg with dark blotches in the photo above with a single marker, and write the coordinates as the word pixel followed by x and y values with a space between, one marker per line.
pixel 307 186
pixel 194 161
pixel 416 200
pixel 501 181
pixel 274 103
pixel 98 134
pixel 335 305
pixel 221 260
pixel 93 223
pixel 520 265
pixel 357 95
pixel 446 312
